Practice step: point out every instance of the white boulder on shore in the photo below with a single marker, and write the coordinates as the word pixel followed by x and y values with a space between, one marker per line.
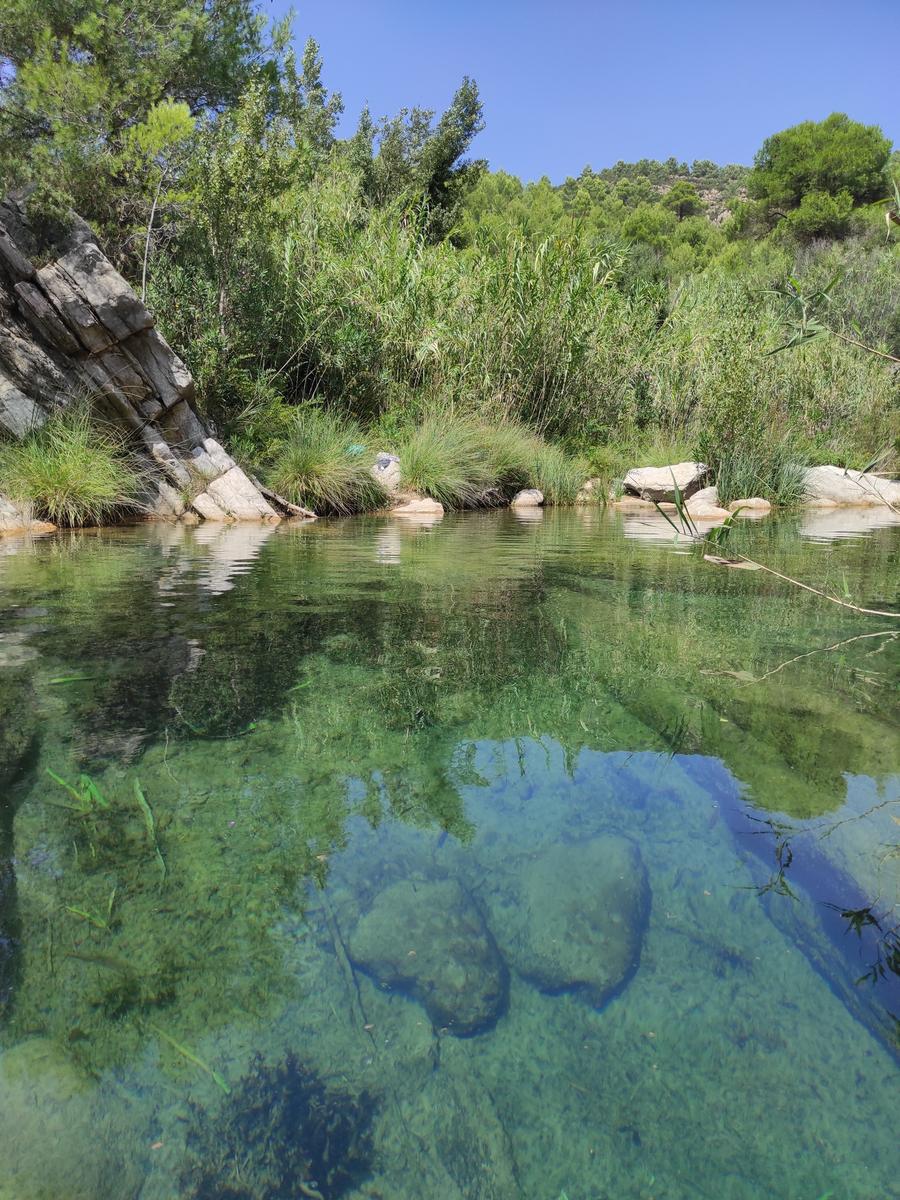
pixel 16 520
pixel 527 498
pixel 829 487
pixel 704 506
pixel 659 483
pixel 386 471
pixel 411 504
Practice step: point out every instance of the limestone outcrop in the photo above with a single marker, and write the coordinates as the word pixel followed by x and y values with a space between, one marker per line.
pixel 70 325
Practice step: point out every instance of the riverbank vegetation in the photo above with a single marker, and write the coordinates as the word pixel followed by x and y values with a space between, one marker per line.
pixel 335 292
pixel 72 471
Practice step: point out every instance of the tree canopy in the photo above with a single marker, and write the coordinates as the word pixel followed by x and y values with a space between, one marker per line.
pixel 831 156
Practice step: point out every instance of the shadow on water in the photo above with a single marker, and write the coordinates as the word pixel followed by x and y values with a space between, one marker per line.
pixel 806 894
pixel 18 752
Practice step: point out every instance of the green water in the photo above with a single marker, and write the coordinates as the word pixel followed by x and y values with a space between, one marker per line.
pixel 496 858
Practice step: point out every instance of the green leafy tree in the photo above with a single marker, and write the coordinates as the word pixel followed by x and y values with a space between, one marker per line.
pixel 833 156
pixel 683 200
pixel 83 90
pixel 819 215
pixel 411 155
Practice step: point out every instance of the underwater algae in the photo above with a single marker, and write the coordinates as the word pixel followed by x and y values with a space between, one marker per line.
pixel 281 1133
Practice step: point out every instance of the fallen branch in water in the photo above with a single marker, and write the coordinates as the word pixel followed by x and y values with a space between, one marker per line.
pixel 717 538
pixel 747 677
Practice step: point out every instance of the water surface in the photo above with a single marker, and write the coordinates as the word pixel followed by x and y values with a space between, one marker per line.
pixel 492 858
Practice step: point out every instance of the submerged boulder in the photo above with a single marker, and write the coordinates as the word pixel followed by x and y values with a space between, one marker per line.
pixel 49 1143
pixel 430 939
pixel 574 918
pixel 658 483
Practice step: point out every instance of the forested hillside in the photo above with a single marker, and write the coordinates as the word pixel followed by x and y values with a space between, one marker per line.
pixel 338 292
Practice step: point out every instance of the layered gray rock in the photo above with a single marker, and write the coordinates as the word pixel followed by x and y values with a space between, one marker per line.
pixel 430 939
pixel 572 917
pixel 70 326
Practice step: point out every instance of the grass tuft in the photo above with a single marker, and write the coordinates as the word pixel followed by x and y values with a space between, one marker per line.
pixel 448 461
pixel 560 476
pixel 769 471
pixel 71 471
pixel 323 463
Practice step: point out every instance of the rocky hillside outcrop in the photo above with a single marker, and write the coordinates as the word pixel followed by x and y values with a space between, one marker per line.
pixel 70 326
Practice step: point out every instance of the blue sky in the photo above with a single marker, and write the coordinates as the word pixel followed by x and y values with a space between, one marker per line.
pixel 569 82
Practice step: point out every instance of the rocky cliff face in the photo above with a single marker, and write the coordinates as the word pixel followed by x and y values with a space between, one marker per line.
pixel 70 325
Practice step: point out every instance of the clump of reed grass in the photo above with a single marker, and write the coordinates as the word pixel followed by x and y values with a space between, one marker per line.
pixel 72 471
pixel 322 462
pixel 769 471
pixel 447 460
pixel 464 463
pixel 560 476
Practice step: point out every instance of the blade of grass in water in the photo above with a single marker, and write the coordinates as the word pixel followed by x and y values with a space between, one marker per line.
pixel 76 795
pixel 185 1052
pixel 91 918
pixel 151 826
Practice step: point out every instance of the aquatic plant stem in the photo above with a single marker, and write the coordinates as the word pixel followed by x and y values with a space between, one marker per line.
pixel 150 823
pixel 869 612
pixel 742 677
pixel 187 1053
pixel 343 958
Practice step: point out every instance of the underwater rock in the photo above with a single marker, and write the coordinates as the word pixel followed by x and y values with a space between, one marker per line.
pixel 49 1145
pixel 292 1136
pixel 430 939
pixel 574 918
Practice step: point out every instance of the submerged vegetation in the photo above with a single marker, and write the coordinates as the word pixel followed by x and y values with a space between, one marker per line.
pixel 283 1132
pixel 335 293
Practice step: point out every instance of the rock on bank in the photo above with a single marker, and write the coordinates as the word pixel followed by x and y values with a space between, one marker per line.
pixel 70 326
